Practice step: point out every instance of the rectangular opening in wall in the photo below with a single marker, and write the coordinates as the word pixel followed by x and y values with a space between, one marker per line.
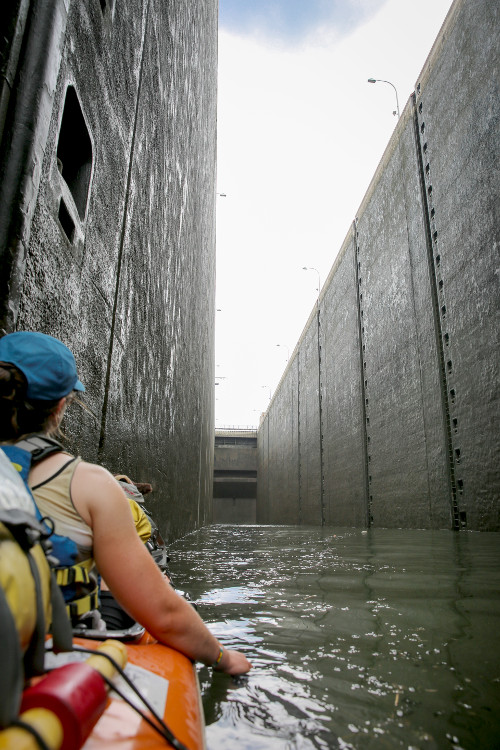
pixel 66 221
pixel 463 519
pixel 107 4
pixel 74 151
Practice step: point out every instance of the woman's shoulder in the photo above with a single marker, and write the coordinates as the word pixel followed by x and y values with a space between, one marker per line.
pixel 94 490
pixel 93 482
pixel 95 473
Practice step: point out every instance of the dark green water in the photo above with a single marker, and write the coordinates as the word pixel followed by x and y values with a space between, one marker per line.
pixel 379 639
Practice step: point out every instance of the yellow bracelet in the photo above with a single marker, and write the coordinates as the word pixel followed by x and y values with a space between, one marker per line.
pixel 219 658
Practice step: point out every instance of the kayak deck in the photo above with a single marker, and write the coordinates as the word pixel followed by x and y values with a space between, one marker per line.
pixel 169 681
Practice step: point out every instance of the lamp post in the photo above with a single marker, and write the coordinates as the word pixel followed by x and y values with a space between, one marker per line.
pixel 267 386
pixel 287 349
pixel 309 268
pixel 380 80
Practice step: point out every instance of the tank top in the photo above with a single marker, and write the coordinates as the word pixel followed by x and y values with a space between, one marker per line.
pixel 53 497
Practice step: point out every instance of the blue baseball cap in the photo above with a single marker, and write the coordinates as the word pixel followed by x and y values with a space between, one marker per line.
pixel 47 364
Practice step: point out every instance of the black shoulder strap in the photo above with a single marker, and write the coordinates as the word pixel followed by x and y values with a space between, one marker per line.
pixel 40 446
pixel 11 674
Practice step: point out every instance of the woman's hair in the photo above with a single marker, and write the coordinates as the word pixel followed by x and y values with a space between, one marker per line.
pixel 18 415
pixel 143 487
pixel 123 478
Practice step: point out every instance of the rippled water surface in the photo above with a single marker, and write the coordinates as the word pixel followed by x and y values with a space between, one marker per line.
pixel 379 639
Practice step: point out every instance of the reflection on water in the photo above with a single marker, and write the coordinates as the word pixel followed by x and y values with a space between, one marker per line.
pixel 379 639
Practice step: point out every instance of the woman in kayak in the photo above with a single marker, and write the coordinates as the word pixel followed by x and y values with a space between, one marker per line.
pixel 38 380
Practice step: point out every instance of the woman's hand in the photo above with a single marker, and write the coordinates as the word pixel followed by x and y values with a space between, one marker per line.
pixel 134 578
pixel 233 662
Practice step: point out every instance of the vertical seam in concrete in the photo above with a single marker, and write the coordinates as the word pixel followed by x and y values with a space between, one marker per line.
pixel 368 501
pixel 199 464
pixel 299 455
pixel 268 504
pixel 320 408
pixel 443 381
pixel 414 307
pixel 102 435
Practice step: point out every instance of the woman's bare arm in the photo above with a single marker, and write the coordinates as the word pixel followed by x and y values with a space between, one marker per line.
pixel 133 577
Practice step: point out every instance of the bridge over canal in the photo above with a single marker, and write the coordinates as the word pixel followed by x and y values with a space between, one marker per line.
pixel 235 475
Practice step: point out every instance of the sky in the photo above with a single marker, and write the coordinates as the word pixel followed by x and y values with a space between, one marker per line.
pixel 300 135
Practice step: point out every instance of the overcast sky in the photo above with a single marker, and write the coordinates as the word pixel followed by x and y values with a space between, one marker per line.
pixel 300 135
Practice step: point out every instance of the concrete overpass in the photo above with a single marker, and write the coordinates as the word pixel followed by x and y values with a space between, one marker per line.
pixel 235 476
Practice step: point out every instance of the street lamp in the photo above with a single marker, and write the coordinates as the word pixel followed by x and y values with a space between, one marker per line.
pixel 309 268
pixel 267 386
pixel 380 80
pixel 288 350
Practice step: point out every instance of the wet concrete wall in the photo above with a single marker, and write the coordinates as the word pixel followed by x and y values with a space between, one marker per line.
pixel 120 264
pixel 388 412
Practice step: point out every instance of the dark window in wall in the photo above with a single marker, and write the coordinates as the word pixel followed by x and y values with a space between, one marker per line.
pixel 74 151
pixel 107 4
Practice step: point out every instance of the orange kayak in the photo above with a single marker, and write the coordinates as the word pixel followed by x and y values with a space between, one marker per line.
pixel 169 680
pixel 72 707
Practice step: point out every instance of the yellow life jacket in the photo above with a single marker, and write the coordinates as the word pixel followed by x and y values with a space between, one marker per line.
pixel 78 581
pixel 142 524
pixel 30 600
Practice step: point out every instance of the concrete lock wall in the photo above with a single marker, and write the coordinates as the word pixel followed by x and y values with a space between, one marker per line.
pixel 119 263
pixel 388 412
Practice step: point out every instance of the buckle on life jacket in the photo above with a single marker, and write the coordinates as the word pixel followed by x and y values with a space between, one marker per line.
pixel 79 607
pixel 78 573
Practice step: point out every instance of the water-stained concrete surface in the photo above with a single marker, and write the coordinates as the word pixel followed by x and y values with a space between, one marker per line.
pixel 109 242
pixel 388 412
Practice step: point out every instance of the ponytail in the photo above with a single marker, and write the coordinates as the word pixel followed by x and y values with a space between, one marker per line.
pixel 18 415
